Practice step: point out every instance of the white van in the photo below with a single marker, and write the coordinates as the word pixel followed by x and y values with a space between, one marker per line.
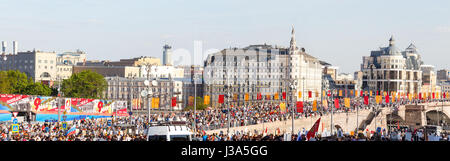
pixel 170 131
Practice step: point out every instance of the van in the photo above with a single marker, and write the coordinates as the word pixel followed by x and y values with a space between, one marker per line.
pixel 170 131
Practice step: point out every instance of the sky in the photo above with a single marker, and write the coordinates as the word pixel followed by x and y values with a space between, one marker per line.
pixel 339 32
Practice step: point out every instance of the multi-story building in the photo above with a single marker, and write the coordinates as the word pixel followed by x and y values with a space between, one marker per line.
pixel 167 55
pixel 139 61
pixel 429 81
pixel 262 69
pixel 161 72
pixel 40 66
pixel 127 89
pixel 389 69
pixel 110 71
pixel 66 61
pixel 191 88
pixel 443 75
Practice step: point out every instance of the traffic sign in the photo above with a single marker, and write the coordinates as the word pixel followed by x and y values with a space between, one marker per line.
pixel 15 128
pixel 109 122
pixel 15 114
pixel 131 113
pixel 64 125
pixel 15 121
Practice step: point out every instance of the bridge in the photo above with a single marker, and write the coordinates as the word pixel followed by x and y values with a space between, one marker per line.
pixel 412 116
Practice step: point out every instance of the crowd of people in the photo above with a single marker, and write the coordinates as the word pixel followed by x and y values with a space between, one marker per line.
pixel 102 130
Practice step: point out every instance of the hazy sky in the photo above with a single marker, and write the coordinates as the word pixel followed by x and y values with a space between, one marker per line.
pixel 337 31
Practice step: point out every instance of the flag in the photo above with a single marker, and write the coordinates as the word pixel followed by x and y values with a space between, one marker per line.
pixel 155 102
pixel 309 94
pixel 387 98
pixel 206 100
pixel 283 107
pixel 313 129
pixel 356 93
pixel 433 95
pixel 378 99
pixel 340 93
pixel 336 103
pixel 325 104
pixel 317 94
pixel 314 105
pixel 221 99
pixel 299 107
pixel 299 94
pixel 366 100
pixel 259 97
pixel 246 97
pixel 71 131
pixel 276 96
pixel 370 93
pixel 420 96
pixel 329 93
pixel 323 93
pixel 284 95
pixel 190 101
pixel 347 102
pixel 393 98
pixel 235 97
pixel 174 101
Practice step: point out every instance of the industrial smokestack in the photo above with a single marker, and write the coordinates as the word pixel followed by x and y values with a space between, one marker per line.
pixel 4 47
pixel 15 47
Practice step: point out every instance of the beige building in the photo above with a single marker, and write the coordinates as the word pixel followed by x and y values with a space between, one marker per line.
pixel 40 66
pixel 127 89
pixel 136 62
pixel 391 70
pixel 162 72
pixel 262 69
pixel 110 71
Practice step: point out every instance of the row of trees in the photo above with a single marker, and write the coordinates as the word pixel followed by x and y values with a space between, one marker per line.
pixel 86 84
pixel 15 82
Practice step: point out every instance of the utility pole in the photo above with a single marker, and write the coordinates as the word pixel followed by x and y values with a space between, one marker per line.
pixel 195 99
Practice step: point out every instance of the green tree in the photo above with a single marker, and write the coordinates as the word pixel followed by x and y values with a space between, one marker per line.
pixel 86 84
pixel 200 105
pixel 16 82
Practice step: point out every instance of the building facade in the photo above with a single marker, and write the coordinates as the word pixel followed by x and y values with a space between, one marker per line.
pixel 443 75
pixel 128 89
pixel 262 69
pixel 389 69
pixel 110 71
pixel 40 66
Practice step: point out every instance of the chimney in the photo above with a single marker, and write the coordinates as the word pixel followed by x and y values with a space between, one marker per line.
pixel 4 47
pixel 15 47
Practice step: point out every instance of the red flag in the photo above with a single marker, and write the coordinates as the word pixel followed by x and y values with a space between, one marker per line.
pixel 284 95
pixel 433 95
pixel 443 95
pixel 313 130
pixel 366 100
pixel 329 93
pixel 387 98
pixel 299 107
pixel 174 101
pixel 336 103
pixel 378 93
pixel 309 94
pixel 221 98
pixel 259 96
pixel 420 96
pixel 362 93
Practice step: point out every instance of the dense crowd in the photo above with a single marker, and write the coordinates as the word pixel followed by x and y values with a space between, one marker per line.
pixel 135 128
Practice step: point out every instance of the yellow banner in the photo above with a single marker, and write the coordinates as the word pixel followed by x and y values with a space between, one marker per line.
pixel 300 94
pixel 282 106
pixel 340 93
pixel 409 97
pixel 347 102
pixel 356 93
pixel 155 102
pixel 370 93
pixel 206 100
pixel 276 96
pixel 246 97
pixel 314 105
pixel 378 99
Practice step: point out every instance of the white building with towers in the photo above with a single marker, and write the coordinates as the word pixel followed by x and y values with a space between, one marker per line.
pixel 263 70
pixel 167 55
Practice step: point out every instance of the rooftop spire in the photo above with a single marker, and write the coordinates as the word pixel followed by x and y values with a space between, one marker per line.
pixel 391 41
pixel 293 44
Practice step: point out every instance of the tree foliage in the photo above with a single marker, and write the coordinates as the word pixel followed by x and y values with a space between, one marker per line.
pixel 16 82
pixel 86 84
pixel 200 105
